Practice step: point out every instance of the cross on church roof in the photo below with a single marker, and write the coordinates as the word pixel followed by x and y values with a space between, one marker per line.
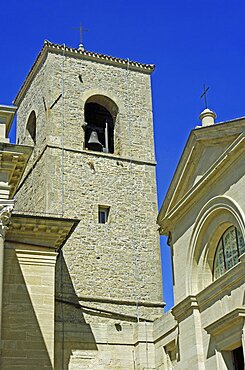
pixel 81 30
pixel 204 95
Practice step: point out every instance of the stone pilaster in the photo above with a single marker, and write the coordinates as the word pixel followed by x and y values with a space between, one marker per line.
pixel 5 214
pixel 31 247
pixel 38 270
pixel 187 314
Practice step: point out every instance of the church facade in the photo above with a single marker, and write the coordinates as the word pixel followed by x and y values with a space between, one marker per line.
pixel 203 215
pixel 80 258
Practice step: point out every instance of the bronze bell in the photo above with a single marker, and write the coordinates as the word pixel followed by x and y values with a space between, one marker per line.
pixel 94 143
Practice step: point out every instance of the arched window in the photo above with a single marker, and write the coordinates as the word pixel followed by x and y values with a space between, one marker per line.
pixel 231 245
pixel 207 257
pixel 31 126
pixel 100 115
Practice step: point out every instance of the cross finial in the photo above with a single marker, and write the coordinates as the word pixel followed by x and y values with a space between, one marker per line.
pixel 81 30
pixel 204 95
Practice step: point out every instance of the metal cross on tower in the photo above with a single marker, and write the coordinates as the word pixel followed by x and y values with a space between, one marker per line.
pixel 81 30
pixel 204 95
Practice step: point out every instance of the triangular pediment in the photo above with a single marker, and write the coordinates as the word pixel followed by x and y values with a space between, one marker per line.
pixel 203 155
pixel 204 148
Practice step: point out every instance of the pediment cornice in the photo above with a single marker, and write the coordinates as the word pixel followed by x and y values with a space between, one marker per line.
pixel 171 212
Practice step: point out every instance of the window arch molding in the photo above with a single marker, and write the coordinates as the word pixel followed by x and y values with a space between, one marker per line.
pixel 88 94
pixel 213 220
pixel 105 102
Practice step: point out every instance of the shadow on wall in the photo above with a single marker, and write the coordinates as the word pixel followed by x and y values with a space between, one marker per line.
pixel 72 334
pixel 23 342
pixel 211 347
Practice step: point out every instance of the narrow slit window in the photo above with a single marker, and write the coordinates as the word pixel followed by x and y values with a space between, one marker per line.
pixel 31 127
pixel 103 214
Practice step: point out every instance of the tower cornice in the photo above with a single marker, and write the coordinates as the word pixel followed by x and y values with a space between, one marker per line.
pixel 50 47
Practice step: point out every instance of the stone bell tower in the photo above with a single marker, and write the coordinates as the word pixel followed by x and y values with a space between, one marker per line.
pixel 89 119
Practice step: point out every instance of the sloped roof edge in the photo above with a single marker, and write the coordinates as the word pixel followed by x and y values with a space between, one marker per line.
pixel 194 136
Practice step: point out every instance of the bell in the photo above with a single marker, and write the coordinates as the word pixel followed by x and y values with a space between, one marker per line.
pixel 94 143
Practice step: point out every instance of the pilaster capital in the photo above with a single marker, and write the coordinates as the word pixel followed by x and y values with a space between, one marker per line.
pixel 185 308
pixel 6 209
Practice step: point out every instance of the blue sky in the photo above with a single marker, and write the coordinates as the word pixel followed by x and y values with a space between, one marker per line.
pixel 191 42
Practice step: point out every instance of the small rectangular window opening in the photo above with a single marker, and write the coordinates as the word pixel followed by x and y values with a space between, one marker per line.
pixel 103 214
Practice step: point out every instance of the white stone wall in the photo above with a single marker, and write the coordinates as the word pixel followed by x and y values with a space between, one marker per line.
pixel 203 332
pixel 231 184
pixel 28 308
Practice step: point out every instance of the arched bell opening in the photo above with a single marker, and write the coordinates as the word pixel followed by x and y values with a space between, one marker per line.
pixel 99 128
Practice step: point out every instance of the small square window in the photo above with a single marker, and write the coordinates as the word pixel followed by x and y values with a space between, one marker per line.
pixel 103 214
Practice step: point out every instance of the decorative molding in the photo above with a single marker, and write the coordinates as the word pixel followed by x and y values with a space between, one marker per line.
pixel 127 302
pixel 7 114
pixel 109 156
pixel 78 53
pixel 205 217
pixel 222 286
pixel 106 98
pixel 104 155
pixel 5 214
pixel 169 216
pixel 32 257
pixel 242 258
pixel 214 292
pixel 228 329
pixel 227 321
pixel 223 162
pixel 94 310
pixel 40 231
pixel 167 336
pixel 97 56
pixel 185 308
pixel 223 202
pixel 13 160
